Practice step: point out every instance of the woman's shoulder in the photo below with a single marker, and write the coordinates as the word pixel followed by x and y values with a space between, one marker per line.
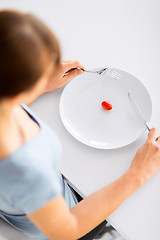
pixel 42 147
pixel 15 135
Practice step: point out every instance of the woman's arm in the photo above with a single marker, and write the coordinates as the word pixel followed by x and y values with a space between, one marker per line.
pixel 58 222
pixel 55 78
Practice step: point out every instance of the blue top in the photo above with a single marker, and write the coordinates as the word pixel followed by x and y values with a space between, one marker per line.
pixel 30 178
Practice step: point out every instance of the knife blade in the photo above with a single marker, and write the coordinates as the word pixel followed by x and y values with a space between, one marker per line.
pixel 138 111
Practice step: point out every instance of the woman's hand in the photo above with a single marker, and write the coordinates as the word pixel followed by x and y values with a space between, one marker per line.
pixel 146 162
pixel 54 78
pixel 62 74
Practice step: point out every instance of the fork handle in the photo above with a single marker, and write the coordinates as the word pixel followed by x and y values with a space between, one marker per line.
pixel 90 71
pixel 72 69
pixel 85 70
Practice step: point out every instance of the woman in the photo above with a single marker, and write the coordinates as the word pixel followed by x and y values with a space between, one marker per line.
pixel 33 195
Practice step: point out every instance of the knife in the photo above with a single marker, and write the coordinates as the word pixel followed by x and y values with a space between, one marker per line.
pixel 138 111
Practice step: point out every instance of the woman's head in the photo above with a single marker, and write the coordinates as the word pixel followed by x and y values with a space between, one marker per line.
pixel 27 48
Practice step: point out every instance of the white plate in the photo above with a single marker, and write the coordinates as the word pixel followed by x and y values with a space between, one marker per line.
pixel 85 119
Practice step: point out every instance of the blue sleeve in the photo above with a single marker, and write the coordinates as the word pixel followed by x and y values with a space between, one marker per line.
pixel 36 189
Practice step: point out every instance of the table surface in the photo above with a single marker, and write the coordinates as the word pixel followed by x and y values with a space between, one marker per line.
pixel 121 34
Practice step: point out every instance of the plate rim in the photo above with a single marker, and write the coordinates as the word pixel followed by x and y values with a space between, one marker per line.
pixel 102 147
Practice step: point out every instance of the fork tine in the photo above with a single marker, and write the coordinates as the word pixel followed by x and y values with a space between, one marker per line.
pixel 115 75
pixel 114 72
pixel 107 71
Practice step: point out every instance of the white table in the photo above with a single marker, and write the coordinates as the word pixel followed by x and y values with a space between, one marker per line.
pixel 121 34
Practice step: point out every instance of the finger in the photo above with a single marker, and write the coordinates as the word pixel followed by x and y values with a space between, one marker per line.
pixel 72 74
pixel 69 64
pixel 70 60
pixel 72 69
pixel 157 139
pixel 152 134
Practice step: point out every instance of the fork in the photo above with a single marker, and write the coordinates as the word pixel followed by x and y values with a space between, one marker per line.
pixel 107 71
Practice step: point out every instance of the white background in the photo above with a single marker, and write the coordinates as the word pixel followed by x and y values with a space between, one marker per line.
pixel 122 34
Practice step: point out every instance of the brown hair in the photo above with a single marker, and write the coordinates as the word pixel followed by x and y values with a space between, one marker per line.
pixel 26 47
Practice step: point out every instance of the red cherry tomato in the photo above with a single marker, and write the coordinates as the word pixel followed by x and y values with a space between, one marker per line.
pixel 106 105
